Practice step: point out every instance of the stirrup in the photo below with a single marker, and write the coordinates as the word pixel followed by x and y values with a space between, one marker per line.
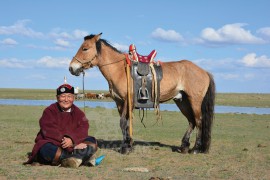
pixel 143 96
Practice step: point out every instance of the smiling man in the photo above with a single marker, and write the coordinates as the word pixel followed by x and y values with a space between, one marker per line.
pixel 63 136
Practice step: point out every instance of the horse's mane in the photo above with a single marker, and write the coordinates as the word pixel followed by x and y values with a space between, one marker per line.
pixel 99 42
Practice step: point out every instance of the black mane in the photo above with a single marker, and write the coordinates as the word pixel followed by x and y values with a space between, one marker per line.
pixel 99 42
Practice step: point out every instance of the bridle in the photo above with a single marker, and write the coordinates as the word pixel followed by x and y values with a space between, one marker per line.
pixel 87 63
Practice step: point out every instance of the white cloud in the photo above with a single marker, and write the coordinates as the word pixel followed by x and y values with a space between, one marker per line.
pixel 243 76
pixel 9 42
pixel 20 28
pixel 61 42
pixel 75 35
pixel 44 62
pixel 51 62
pixel 12 63
pixel 229 34
pixel 51 48
pixel 79 34
pixel 252 60
pixel 265 32
pixel 249 76
pixel 121 47
pixel 227 76
pixel 212 65
pixel 169 35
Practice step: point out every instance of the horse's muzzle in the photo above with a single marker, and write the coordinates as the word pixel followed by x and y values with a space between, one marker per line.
pixel 76 72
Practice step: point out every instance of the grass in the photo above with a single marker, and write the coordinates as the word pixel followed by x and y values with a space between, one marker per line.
pixel 243 99
pixel 240 147
pixel 227 99
pixel 39 94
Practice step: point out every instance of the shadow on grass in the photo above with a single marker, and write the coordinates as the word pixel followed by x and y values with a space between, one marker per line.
pixel 116 145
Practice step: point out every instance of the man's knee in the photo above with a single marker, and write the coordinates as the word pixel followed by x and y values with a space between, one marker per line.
pixel 92 142
pixel 91 139
pixel 47 153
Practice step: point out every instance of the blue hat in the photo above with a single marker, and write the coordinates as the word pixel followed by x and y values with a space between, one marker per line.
pixel 65 88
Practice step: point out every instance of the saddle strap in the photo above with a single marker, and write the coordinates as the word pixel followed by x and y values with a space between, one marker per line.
pixel 144 82
pixel 155 90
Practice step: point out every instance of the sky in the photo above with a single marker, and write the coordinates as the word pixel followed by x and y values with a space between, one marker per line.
pixel 228 38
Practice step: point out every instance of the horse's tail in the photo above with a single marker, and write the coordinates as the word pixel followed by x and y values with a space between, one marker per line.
pixel 207 109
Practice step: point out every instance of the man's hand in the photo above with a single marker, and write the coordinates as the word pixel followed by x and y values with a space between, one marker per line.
pixel 66 142
pixel 80 146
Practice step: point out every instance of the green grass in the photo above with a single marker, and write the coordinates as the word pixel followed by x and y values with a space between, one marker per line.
pixel 39 94
pixel 243 99
pixel 227 99
pixel 240 147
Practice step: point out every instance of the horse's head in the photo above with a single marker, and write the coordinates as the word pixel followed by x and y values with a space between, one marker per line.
pixel 86 57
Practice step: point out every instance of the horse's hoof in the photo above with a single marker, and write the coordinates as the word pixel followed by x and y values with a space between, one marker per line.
pixel 183 150
pixel 194 151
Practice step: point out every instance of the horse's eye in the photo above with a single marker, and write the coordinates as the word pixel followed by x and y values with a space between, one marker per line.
pixel 84 49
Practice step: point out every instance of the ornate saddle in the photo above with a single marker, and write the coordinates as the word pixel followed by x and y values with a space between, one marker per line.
pixel 137 57
pixel 146 76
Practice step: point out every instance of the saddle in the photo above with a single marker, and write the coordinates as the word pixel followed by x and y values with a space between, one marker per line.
pixel 146 76
pixel 137 57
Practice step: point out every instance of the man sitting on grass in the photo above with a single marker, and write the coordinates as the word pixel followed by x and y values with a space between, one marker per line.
pixel 63 136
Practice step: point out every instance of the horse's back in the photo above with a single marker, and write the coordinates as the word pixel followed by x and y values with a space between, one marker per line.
pixel 183 68
pixel 183 75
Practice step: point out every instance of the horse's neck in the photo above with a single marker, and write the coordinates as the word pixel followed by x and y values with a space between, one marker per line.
pixel 112 66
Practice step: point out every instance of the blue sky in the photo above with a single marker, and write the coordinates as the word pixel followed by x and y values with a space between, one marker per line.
pixel 229 38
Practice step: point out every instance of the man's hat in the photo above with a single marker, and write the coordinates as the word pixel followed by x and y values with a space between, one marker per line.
pixel 65 88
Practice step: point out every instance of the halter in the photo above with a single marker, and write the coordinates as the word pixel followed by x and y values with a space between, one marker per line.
pixel 88 63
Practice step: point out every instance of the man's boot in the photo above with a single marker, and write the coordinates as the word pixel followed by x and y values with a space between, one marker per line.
pixel 71 162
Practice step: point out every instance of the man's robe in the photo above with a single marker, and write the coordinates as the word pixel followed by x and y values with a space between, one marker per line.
pixel 56 124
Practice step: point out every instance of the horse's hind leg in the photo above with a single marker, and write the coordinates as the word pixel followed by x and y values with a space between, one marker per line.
pixel 198 143
pixel 186 109
pixel 127 143
pixel 198 120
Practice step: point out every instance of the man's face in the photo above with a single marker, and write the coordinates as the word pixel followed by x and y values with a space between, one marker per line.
pixel 65 100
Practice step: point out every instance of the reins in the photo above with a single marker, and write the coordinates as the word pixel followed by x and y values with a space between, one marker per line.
pixel 83 92
pixel 112 62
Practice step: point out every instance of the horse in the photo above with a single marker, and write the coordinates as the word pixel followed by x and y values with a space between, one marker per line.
pixel 195 86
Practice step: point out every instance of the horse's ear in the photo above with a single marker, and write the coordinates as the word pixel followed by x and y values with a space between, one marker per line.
pixel 97 37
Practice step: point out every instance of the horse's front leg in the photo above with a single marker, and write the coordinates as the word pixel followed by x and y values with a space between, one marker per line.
pixel 124 124
pixel 127 140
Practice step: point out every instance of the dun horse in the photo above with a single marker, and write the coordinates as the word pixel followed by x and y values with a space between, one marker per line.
pixel 195 85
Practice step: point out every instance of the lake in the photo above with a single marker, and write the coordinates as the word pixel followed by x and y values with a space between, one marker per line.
pixel 110 105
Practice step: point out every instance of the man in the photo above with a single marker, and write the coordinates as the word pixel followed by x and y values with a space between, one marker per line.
pixel 63 136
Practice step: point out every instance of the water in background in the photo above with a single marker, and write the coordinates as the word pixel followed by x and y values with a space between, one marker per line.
pixel 110 105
